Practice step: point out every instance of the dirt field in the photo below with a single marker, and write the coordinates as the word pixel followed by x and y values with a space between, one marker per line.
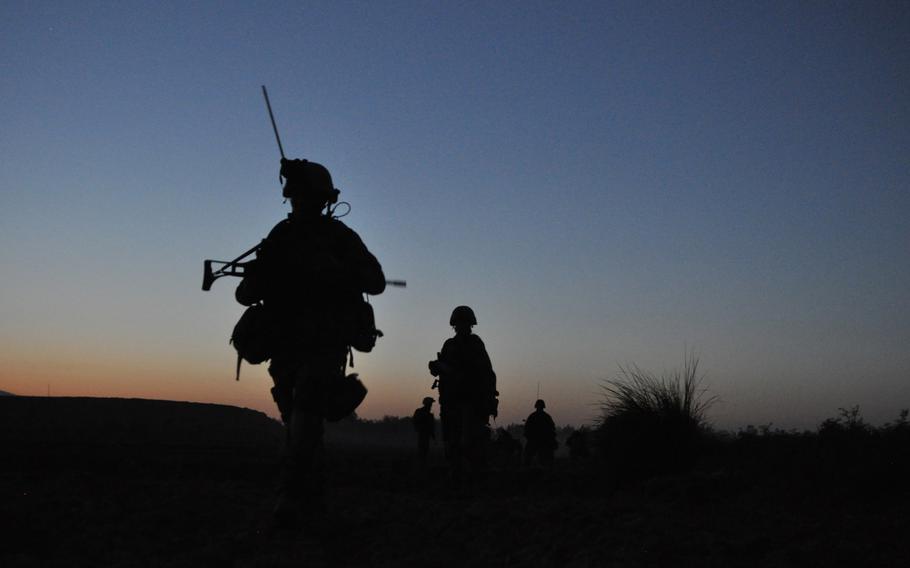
pixel 84 504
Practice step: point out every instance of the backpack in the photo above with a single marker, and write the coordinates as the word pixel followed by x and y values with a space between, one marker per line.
pixel 255 332
pixel 253 336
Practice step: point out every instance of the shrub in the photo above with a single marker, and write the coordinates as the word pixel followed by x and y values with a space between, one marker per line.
pixel 852 448
pixel 651 424
pixel 849 424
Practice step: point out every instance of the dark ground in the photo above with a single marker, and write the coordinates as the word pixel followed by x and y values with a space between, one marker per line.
pixel 90 503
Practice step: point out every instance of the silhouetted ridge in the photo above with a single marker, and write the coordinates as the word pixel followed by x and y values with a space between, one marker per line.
pixel 119 421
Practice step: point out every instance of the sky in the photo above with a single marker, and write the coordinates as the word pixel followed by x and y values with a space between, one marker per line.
pixel 605 183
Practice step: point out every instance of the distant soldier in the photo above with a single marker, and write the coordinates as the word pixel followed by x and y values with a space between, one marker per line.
pixel 467 394
pixel 577 442
pixel 309 274
pixel 507 448
pixel 540 432
pixel 425 426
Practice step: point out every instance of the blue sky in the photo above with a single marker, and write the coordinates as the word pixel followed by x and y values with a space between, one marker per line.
pixel 604 183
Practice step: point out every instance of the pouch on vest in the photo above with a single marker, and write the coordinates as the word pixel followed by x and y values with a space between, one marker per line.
pixel 363 331
pixel 253 336
pixel 344 396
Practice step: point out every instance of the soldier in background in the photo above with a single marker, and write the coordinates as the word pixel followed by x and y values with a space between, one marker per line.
pixel 506 448
pixel 310 274
pixel 467 395
pixel 425 426
pixel 577 442
pixel 540 431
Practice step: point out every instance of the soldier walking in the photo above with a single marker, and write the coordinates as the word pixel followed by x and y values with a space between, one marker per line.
pixel 310 274
pixel 540 431
pixel 425 426
pixel 467 395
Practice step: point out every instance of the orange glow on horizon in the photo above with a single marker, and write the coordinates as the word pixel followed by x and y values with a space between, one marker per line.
pixel 71 370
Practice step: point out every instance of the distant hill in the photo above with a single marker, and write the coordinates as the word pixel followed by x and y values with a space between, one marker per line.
pixel 118 421
pixel 4 393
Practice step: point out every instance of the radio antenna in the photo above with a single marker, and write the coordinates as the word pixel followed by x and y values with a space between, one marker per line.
pixel 272 118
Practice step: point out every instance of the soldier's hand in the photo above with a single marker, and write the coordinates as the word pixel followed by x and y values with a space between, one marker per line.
pixel 434 368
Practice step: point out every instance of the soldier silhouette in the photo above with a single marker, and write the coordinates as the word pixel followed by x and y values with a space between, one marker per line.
pixel 540 431
pixel 467 395
pixel 506 448
pixel 425 426
pixel 577 442
pixel 310 274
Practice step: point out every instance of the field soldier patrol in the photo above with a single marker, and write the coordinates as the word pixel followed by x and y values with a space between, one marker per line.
pixel 310 275
pixel 425 426
pixel 467 395
pixel 540 432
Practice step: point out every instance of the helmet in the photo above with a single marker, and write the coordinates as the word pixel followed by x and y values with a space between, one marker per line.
pixel 540 404
pixel 345 395
pixel 428 400
pixel 305 178
pixel 462 315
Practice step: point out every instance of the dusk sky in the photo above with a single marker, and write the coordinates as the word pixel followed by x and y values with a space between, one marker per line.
pixel 605 183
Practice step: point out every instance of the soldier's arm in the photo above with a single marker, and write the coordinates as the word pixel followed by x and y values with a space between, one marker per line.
pixel 247 292
pixel 486 366
pixel 445 358
pixel 261 273
pixel 362 268
pixel 252 287
pixel 440 367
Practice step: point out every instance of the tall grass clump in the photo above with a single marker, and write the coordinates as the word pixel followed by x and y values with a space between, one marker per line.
pixel 652 424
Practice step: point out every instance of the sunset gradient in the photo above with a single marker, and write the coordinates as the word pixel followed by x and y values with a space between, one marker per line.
pixel 604 183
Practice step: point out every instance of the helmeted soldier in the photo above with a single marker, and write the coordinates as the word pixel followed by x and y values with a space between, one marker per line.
pixel 540 431
pixel 310 274
pixel 425 426
pixel 467 394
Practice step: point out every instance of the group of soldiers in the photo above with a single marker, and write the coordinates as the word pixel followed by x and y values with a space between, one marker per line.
pixel 310 275
pixel 539 433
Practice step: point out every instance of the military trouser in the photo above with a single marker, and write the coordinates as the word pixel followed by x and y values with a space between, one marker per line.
pixel 300 391
pixel 465 434
pixel 423 445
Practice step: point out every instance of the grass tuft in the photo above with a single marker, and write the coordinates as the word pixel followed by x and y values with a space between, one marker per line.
pixel 651 424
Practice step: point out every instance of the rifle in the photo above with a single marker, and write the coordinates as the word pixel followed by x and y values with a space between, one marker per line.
pixel 439 367
pixel 237 267
pixel 228 268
